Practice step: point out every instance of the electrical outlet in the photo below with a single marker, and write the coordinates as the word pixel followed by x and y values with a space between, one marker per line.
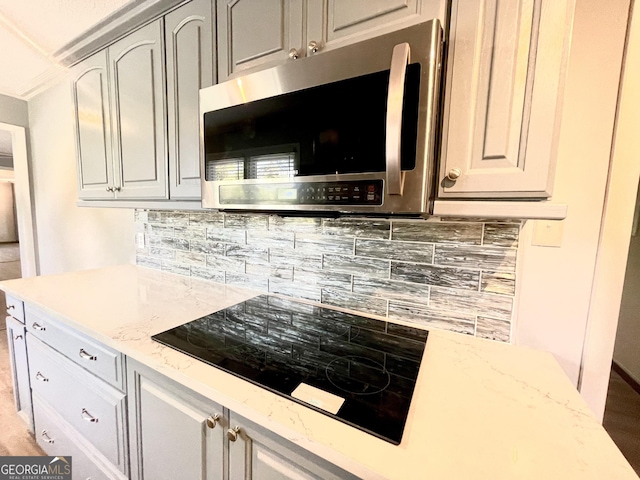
pixel 140 240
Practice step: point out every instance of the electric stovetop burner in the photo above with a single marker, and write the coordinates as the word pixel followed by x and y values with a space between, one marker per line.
pixel 356 369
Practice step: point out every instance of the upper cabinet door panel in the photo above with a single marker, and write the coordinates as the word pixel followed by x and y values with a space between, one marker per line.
pixel 93 133
pixel 334 23
pixel 137 79
pixel 499 53
pixel 253 33
pixel 189 35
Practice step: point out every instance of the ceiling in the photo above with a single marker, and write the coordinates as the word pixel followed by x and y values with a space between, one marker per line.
pixel 32 31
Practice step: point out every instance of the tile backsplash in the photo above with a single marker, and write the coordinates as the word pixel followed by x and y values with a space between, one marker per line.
pixel 451 274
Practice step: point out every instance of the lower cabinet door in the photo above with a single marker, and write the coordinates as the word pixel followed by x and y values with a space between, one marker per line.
pixel 174 433
pixel 19 370
pixel 57 438
pixel 255 453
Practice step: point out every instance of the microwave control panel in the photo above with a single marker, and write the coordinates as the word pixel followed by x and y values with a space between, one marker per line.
pixel 354 192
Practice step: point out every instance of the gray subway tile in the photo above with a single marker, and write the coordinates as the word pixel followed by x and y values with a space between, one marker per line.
pixel 437 232
pixel 190 232
pixel 498 282
pixel 495 306
pixel 191 258
pixel 168 242
pixel 359 266
pixel 241 221
pixel 322 278
pixel 266 269
pixel 483 257
pixel 295 289
pixel 226 235
pixel 159 252
pixel 493 329
pixel 160 230
pixel 391 289
pixel 206 219
pixel 228 264
pixel 449 320
pixel 436 275
pixel 270 239
pixel 354 301
pixel 294 258
pixel 295 224
pixel 503 235
pixel 154 216
pixel 148 262
pixel 175 267
pixel 207 246
pixel 208 273
pixel 317 244
pixel 366 228
pixel 249 281
pixel 175 218
pixel 247 252
pixel 406 251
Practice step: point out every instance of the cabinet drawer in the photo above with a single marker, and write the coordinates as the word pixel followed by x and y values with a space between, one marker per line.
pixel 57 438
pixel 93 408
pixel 15 308
pixel 84 351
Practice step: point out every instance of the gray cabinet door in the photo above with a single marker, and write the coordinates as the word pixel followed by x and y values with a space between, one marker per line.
pixel 257 33
pixel 189 35
pixel 258 454
pixel 169 434
pixel 504 80
pixel 335 23
pixel 90 90
pixel 20 370
pixel 138 110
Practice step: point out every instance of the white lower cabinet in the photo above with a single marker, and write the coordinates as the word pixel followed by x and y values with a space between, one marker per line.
pixel 16 342
pixel 56 437
pixel 177 433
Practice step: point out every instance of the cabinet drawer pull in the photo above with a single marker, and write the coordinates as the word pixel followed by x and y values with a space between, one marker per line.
pixel 37 326
pixel 212 420
pixel 88 417
pixel 10 307
pixel 232 434
pixel 18 337
pixel 46 437
pixel 41 377
pixel 87 356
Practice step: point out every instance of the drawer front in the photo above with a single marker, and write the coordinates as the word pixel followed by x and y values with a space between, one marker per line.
pixel 93 408
pixel 15 308
pixel 57 438
pixel 84 351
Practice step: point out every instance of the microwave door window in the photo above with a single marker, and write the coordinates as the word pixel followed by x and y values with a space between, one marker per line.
pixel 324 130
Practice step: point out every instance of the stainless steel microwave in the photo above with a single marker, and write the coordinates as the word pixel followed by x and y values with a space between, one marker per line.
pixel 349 130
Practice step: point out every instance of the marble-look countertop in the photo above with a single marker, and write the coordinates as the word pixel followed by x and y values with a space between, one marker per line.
pixel 481 409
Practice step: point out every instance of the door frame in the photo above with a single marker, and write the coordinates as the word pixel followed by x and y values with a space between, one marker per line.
pixel 24 204
pixel 615 231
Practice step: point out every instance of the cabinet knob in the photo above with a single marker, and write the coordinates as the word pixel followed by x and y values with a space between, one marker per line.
pixel 109 189
pixel 454 174
pixel 313 46
pixel 232 433
pixel 211 421
pixel 46 437
pixel 18 337
pixel 294 54
pixel 10 307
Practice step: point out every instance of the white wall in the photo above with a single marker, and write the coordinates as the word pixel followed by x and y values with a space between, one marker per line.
pixel 556 283
pixel 69 237
pixel 13 111
pixel 8 231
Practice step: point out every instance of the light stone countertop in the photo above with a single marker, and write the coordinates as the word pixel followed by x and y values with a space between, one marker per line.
pixel 481 409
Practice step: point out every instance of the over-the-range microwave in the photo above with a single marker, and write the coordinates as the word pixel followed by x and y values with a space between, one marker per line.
pixel 348 130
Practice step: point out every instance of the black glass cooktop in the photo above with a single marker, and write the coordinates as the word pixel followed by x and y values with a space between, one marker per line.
pixel 356 369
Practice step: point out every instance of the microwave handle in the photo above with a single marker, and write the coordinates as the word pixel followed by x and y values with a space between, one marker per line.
pixel 399 60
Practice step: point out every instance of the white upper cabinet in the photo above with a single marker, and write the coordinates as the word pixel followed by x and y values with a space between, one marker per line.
pixel 139 113
pixel 92 127
pixel 502 99
pixel 256 34
pixel 190 52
